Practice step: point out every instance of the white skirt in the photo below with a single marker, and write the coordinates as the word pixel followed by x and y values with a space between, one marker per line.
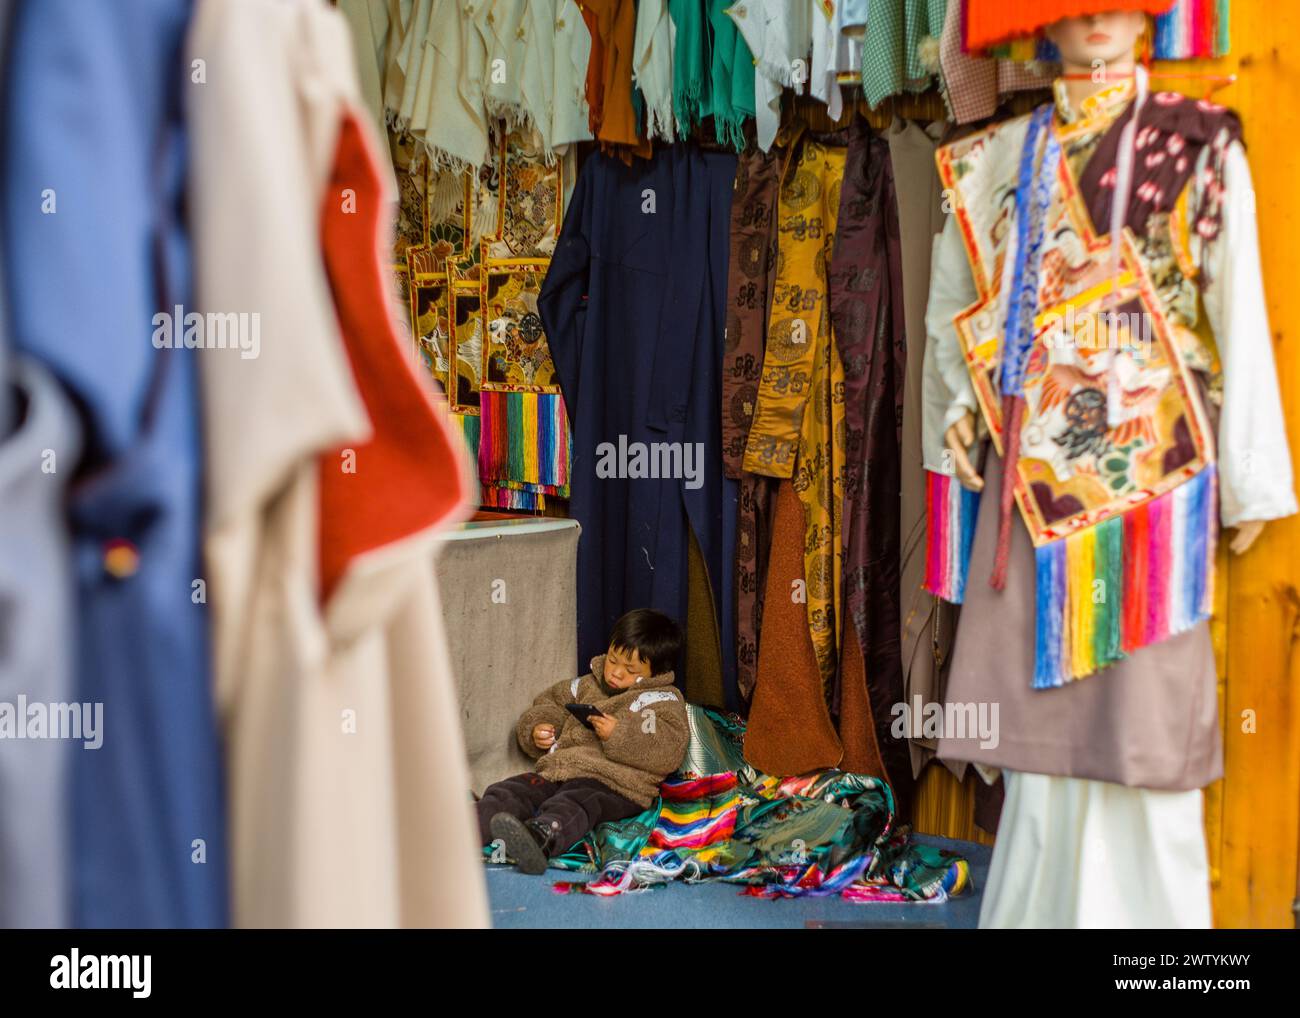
pixel 1076 854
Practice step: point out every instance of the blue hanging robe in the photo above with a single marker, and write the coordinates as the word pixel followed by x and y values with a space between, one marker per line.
pixel 634 306
pixel 93 164
pixel 38 430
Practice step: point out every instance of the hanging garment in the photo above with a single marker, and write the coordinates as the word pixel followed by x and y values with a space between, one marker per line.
pixel 506 43
pixel 573 51
pixel 798 437
pixel 613 120
pixel 713 70
pixel 867 319
pixel 652 65
pixel 823 82
pixel 1190 213
pixel 540 43
pixel 632 308
pixel 142 642
pixel 852 15
pixel 779 37
pixel 927 622
pixel 330 658
pixel 751 267
pixel 1074 854
pixel 892 57
pixel 972 84
pixel 690 37
pixel 434 86
pixel 731 78
pixel 798 426
pixel 37 653
pixel 373 36
pixel 704 681
pixel 789 730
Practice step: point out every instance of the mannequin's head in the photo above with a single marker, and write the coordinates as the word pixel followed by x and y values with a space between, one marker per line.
pixel 1109 38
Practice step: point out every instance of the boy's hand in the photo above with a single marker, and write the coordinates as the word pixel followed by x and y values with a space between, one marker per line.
pixel 543 736
pixel 604 726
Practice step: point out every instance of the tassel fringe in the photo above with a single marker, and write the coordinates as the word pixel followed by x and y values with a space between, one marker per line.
pixel 524 441
pixel 951 512
pixel 1125 583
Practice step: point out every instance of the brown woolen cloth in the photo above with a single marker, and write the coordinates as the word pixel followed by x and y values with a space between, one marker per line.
pixel 790 729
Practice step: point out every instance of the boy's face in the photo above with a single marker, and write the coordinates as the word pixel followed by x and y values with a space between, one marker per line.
pixel 623 668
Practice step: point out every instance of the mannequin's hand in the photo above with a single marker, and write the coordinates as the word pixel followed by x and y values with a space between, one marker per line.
pixel 1246 534
pixel 958 438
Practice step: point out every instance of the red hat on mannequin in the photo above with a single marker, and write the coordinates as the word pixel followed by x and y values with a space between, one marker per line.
pixel 992 22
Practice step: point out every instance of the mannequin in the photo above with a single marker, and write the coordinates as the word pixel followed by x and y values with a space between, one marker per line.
pixel 1111 39
pixel 1077 489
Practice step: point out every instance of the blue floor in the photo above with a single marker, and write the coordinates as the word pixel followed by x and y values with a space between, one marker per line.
pixel 522 902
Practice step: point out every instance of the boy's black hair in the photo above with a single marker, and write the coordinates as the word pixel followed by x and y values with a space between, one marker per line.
pixel 655 637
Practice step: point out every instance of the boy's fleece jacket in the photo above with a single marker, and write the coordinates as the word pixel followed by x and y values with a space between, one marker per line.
pixel 638 755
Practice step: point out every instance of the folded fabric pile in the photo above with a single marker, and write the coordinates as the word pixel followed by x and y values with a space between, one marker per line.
pixel 825 833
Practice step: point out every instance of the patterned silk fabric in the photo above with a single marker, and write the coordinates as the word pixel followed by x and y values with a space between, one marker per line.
pixel 753 258
pixel 799 422
pixel 752 263
pixel 866 306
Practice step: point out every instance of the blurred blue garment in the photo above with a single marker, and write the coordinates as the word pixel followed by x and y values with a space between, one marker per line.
pixel 93 164
pixel 37 650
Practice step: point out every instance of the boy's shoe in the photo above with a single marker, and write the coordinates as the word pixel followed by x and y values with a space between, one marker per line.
pixel 524 842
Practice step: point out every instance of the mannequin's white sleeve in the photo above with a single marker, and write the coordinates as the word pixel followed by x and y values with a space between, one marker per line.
pixel 1255 481
pixel 946 390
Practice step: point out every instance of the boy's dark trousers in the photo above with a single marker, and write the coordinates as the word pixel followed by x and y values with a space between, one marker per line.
pixel 569 809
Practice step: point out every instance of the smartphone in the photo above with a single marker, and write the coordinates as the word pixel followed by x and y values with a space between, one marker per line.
pixel 584 712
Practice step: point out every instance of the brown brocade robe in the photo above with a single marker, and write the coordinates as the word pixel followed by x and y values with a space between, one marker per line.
pixel 752 263
pixel 866 300
pixel 792 727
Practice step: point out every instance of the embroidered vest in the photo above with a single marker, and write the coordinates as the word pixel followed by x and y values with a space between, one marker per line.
pixel 1081 378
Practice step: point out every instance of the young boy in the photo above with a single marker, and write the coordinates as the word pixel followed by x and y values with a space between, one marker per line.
pixel 586 776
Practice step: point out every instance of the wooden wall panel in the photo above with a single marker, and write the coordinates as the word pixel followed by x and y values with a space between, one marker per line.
pixel 1260 810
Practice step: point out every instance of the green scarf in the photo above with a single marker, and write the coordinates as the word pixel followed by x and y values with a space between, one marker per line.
pixel 713 70
pixel 733 77
pixel 690 84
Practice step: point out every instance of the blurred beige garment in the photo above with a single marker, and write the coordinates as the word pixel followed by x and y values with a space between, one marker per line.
pixel 371 23
pixel 928 623
pixel 346 771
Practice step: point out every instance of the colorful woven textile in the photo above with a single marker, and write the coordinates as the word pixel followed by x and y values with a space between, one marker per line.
pixel 1194 29
pixel 524 442
pixel 818 834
